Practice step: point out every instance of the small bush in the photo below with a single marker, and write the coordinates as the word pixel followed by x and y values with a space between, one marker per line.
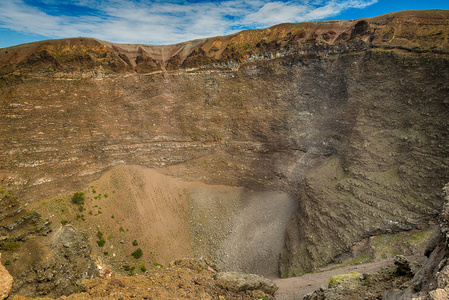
pixel 121 229
pixel 7 262
pixel 78 198
pixel 158 265
pixel 80 217
pixel 137 254
pixel 101 242
pixel 63 222
pixel 142 268
pixel 106 253
pixel 127 268
pixel 135 243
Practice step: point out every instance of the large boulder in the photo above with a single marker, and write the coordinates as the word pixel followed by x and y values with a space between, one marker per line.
pixel 238 282
pixel 5 282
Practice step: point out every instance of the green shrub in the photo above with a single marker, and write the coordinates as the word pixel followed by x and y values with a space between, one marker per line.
pixel 121 229
pixel 142 268
pixel 78 198
pixel 63 222
pixel 7 262
pixel 137 254
pixel 135 243
pixel 158 265
pixel 127 268
pixel 106 253
pixel 80 217
pixel 101 242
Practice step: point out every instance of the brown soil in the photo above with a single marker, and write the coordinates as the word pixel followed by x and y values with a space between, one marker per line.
pixel 231 227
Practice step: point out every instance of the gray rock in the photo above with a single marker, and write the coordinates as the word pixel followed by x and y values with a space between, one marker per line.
pixel 237 282
pixel 402 265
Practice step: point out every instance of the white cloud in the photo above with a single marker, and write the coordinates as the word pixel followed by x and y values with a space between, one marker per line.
pixel 161 22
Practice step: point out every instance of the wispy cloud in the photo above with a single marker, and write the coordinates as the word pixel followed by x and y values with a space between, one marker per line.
pixel 159 22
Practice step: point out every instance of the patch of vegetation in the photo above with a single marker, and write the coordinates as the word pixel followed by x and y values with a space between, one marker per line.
pixel 106 253
pixel 158 265
pixel 105 195
pixel 389 245
pixel 101 241
pixel 348 280
pixel 7 262
pixel 137 254
pixel 135 243
pixel 63 222
pixel 142 268
pixel 78 198
pixel 129 269
pixel 112 217
pixel 80 217
pixel 366 258
pixel 11 245
pixel 121 229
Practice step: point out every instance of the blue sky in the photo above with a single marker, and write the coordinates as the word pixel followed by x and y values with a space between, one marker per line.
pixel 167 22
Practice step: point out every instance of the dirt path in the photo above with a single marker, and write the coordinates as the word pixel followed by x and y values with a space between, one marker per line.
pixel 297 287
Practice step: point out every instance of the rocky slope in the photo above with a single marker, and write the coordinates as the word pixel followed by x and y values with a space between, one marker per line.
pixel 183 279
pixel 432 281
pixel 348 118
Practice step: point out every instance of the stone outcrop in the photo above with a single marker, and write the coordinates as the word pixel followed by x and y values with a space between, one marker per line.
pixel 432 281
pixel 16 223
pixel 348 118
pixel 52 266
pixel 237 282
pixel 6 281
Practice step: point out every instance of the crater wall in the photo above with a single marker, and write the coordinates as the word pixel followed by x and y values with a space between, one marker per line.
pixel 348 119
